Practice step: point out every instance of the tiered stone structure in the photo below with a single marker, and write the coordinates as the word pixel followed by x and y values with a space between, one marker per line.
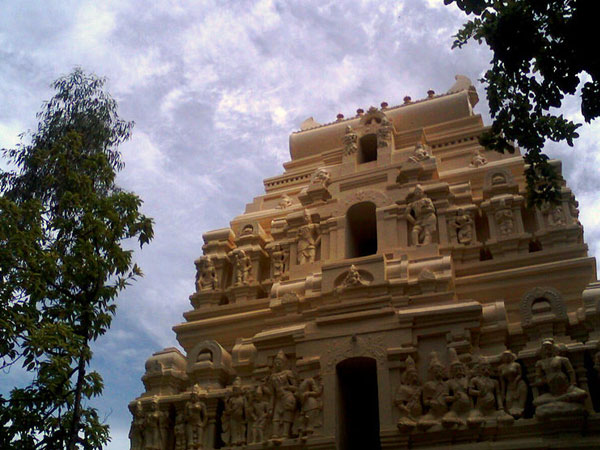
pixel 392 289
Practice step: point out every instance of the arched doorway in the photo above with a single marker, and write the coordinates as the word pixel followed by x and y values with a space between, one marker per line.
pixel 358 404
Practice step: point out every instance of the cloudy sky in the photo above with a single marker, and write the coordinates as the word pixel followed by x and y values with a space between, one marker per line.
pixel 215 88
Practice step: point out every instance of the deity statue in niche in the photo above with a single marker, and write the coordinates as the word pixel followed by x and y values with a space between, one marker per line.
pixel 556 217
pixel 504 219
pixel 179 431
pixel 555 375
pixel 478 160
pixel 421 213
pixel 350 141
pixel 513 388
pixel 309 239
pixel 278 258
pixel 206 274
pixel 136 432
pixel 164 423
pixel 485 392
pixel 463 227
pixel 242 266
pixel 259 411
pixel 196 418
pixel 419 154
pixel 284 385
pixel 309 394
pixel 152 439
pixel 234 421
pixel 408 397
pixel 574 209
pixel 435 394
pixel 458 400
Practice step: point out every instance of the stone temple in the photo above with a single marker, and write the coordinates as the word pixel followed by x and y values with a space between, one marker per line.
pixel 391 289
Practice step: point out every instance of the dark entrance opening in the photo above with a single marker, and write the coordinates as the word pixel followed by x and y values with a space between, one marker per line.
pixel 368 149
pixel 358 404
pixel 361 230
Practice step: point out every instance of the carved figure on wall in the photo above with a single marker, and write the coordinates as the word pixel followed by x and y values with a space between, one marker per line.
pixel 435 394
pixel 478 160
pixel 408 397
pixel 308 240
pixel 284 385
pixel 556 217
pixel 505 221
pixel 320 177
pixel 421 213
pixel 206 274
pixel 259 412
pixel 179 431
pixel 419 154
pixel 384 133
pixel 458 399
pixel 278 258
pixel 350 141
pixel 555 375
pixel 196 418
pixel 152 439
pixel 164 423
pixel 285 202
pixel 136 432
pixel 353 278
pixel 234 420
pixel 574 209
pixel 242 266
pixel 463 227
pixel 513 388
pixel 310 392
pixel 485 392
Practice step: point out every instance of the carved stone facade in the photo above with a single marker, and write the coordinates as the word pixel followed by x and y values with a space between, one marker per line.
pixel 390 290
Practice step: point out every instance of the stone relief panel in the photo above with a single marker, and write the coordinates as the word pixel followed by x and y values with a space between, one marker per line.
pixel 372 346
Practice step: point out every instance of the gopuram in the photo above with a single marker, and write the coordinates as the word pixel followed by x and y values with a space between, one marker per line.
pixel 391 289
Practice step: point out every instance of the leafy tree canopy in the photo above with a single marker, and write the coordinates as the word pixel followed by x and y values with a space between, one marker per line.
pixel 63 222
pixel 543 50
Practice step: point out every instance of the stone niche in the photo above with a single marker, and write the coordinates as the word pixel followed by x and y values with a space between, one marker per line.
pixel 390 290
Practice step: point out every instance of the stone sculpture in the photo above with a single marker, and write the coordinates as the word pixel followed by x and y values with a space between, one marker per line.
pixel 505 221
pixel 419 154
pixel 512 386
pixel 384 133
pixel 555 375
pixel 196 418
pixel 285 202
pixel 259 412
pixel 353 278
pixel 136 432
pixel 206 274
pixel 463 227
pixel 421 213
pixel 152 439
pixel 408 397
pixel 485 393
pixel 478 160
pixel 435 394
pixel 310 392
pixel 278 258
pixel 242 266
pixel 284 385
pixel 179 431
pixel 350 141
pixel 308 240
pixel 320 177
pixel 234 420
pixel 458 398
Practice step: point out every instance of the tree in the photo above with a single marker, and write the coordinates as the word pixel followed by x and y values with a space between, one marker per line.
pixel 63 223
pixel 540 54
